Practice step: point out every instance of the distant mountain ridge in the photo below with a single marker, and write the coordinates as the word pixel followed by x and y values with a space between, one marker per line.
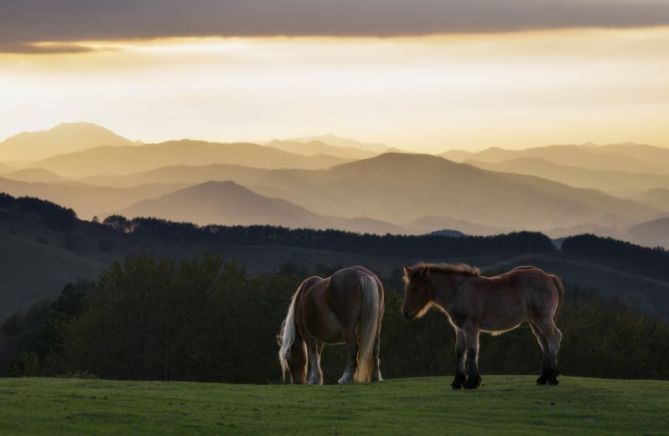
pixel 340 141
pixel 316 147
pixel 634 158
pixel 225 203
pixel 405 189
pixel 63 138
pixel 86 200
pixel 616 182
pixel 36 175
pixel 129 159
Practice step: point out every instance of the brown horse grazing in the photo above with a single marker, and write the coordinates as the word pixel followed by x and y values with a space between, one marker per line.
pixel 345 307
pixel 474 303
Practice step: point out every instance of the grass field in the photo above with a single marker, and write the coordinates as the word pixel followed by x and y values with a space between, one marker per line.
pixel 505 404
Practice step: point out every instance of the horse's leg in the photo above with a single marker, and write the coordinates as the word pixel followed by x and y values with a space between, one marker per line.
pixel 553 337
pixel 376 370
pixel 460 349
pixel 543 378
pixel 471 333
pixel 314 354
pixel 351 356
pixel 376 360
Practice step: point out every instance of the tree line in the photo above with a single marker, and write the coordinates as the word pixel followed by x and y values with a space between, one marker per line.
pixel 203 319
pixel 53 216
pixel 336 240
pixel 651 261
pixel 654 261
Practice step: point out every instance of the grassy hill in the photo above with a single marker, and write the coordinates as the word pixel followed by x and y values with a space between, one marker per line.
pixel 504 405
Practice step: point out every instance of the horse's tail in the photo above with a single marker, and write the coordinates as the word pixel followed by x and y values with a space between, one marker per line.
pixel 288 334
pixel 369 320
pixel 560 287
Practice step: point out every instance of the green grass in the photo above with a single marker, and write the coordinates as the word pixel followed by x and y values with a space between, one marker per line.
pixel 505 404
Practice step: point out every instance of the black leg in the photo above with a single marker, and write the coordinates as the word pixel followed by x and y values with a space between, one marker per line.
pixel 472 340
pixel 460 348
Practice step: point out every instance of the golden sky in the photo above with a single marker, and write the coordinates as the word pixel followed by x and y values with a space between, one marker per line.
pixel 421 93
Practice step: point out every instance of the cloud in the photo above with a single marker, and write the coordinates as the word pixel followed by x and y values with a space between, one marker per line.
pixel 28 22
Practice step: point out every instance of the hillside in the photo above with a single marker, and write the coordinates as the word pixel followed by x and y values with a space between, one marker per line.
pixel 129 159
pixel 657 198
pixel 511 405
pixel 36 261
pixel 431 186
pixel 652 233
pixel 86 200
pixel 616 182
pixel 225 203
pixel 63 138
pixel 4 169
pixel 36 175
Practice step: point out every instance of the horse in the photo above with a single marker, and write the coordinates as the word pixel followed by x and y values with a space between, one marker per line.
pixel 474 303
pixel 346 307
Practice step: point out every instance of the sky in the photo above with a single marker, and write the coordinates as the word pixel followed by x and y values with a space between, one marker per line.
pixel 423 75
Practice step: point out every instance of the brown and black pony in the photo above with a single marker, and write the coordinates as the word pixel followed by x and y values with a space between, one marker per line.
pixel 345 307
pixel 474 304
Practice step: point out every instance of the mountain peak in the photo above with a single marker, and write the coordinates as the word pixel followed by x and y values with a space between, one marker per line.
pixel 63 138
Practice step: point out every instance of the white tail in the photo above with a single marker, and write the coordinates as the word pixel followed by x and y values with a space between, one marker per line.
pixel 369 318
pixel 288 335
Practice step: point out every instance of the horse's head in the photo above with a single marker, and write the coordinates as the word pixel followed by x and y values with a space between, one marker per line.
pixel 418 294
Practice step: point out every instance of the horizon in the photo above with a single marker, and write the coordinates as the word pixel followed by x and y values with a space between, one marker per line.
pixel 420 93
pixel 323 137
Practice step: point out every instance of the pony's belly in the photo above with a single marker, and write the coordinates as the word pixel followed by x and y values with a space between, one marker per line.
pixel 499 331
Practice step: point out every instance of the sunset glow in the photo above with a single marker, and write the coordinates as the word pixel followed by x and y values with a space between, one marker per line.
pixel 425 93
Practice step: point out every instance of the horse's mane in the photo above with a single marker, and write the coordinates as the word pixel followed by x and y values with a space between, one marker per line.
pixel 424 269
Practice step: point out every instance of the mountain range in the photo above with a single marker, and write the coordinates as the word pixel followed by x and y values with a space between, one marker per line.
pixel 328 181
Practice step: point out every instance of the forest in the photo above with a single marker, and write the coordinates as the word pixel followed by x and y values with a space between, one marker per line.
pixel 203 319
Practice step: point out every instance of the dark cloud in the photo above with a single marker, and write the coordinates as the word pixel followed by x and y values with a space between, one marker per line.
pixel 24 22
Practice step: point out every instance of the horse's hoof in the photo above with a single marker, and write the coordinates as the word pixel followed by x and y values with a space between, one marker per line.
pixel 541 380
pixel 553 381
pixel 458 381
pixel 344 381
pixel 472 382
